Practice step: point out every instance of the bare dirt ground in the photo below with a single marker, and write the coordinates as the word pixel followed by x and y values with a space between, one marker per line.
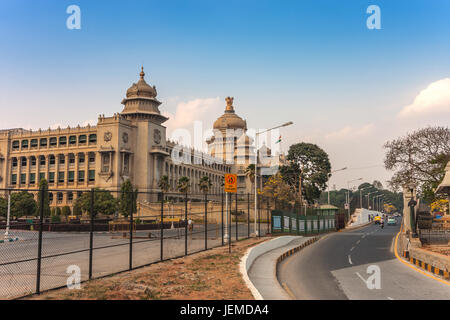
pixel 208 275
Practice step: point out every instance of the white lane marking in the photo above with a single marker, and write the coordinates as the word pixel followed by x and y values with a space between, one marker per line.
pixel 390 298
pixel 350 259
pixel 357 242
pixel 363 236
pixel 351 249
pixel 364 280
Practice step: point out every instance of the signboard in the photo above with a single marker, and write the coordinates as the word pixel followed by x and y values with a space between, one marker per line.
pixel 276 222
pixel 230 183
pixel 286 224
pixel 301 225
pixel 294 224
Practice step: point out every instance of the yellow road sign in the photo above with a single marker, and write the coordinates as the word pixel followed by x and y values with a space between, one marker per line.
pixel 231 183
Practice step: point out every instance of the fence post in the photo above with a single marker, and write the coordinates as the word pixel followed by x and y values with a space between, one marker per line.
pixel 230 238
pixel 248 215
pixel 39 258
pixel 223 229
pixel 185 226
pixel 268 215
pixel 259 217
pixel 206 221
pixel 236 217
pixel 162 227
pixel 91 232
pixel 131 234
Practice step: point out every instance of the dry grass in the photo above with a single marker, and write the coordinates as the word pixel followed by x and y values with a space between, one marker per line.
pixel 213 274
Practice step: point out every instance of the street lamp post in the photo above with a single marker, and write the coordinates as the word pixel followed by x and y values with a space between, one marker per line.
pixel 368 198
pixel 328 184
pixel 256 170
pixel 8 216
pixel 360 196
pixel 348 194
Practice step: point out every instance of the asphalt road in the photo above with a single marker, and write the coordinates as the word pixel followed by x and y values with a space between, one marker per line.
pixel 338 266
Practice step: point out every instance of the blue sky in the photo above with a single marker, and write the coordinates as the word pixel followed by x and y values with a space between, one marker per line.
pixel 312 62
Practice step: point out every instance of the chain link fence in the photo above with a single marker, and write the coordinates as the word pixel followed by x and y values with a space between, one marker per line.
pixel 106 232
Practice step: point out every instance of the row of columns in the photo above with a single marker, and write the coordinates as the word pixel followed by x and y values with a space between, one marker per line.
pixel 47 170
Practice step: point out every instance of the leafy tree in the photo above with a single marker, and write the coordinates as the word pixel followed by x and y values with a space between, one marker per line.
pixel 419 157
pixel 58 211
pixel 204 184
pixel 313 166
pixel 77 210
pixel 163 184
pixel 104 202
pixel 43 185
pixel 250 172
pixel 65 211
pixel 128 198
pixel 278 191
pixel 22 204
pixel 183 184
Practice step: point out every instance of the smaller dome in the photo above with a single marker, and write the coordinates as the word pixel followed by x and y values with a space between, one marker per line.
pixel 141 88
pixel 244 140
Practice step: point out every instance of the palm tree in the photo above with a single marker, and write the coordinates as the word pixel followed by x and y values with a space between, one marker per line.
pixel 205 184
pixel 183 185
pixel 163 183
pixel 250 172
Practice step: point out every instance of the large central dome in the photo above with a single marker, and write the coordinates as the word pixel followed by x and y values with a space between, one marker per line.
pixel 230 120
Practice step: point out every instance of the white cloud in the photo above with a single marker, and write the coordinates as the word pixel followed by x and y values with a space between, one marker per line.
pixel 432 100
pixel 204 110
pixel 350 132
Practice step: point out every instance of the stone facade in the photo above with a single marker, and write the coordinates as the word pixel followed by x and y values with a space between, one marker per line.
pixel 129 145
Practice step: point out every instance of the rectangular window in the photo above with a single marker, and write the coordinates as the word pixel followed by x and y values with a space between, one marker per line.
pixel 91 157
pixel 41 176
pixel 32 178
pixel 33 161
pixel 24 144
pixel 43 142
pixel 42 160
pixel 51 177
pixel 23 178
pixel 81 158
pixel 23 162
pixel 92 138
pixel 62 159
pixel 105 162
pixel 53 142
pixel 52 160
pixel 14 179
pixel 91 175
pixel 72 140
pixel 71 159
pixel 34 143
pixel 60 176
pixel 80 176
pixel 15 145
pixel 82 139
pixel 71 176
pixel 62 141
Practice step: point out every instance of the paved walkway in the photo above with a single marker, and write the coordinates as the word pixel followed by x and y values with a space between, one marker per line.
pixel 263 272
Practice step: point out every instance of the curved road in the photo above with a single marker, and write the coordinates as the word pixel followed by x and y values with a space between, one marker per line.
pixel 339 265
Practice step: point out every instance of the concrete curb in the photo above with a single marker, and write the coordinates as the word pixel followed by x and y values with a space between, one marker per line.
pixel 426 266
pixel 251 255
pixel 9 240
pixel 356 227
pixel 296 249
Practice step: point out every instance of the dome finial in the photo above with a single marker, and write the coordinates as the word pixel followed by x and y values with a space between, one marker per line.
pixel 142 74
pixel 229 107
